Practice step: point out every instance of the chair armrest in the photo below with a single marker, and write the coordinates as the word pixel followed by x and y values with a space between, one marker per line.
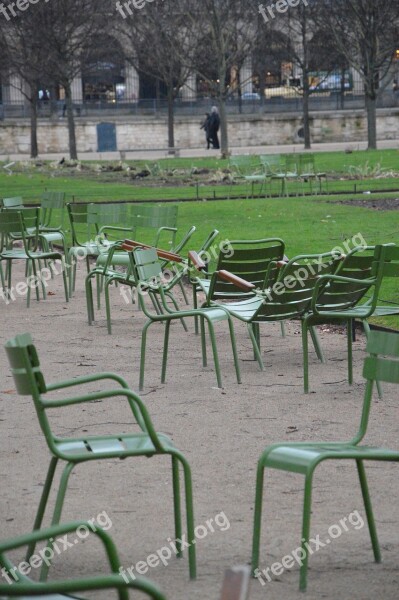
pixel 243 284
pixel 137 406
pixel 130 245
pixel 323 280
pixel 196 260
pixel 87 379
pixel 161 229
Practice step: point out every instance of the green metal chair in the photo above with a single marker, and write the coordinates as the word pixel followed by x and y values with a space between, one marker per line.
pixel 287 297
pixel 304 457
pixel 18 223
pixel 52 205
pixel 21 586
pixel 30 381
pixel 249 259
pixel 102 227
pixel 308 172
pixel 341 297
pixel 149 278
pixel 127 278
pixel 274 170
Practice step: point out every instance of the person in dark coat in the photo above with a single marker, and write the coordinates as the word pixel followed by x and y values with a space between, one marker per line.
pixel 214 124
pixel 206 127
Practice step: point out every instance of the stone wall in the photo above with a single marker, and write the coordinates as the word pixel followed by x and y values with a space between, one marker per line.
pixel 245 130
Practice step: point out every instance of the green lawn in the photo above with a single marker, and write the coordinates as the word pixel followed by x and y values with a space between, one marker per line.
pixel 307 224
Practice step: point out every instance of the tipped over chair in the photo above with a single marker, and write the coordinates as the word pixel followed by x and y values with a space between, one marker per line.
pixel 382 364
pixel 72 451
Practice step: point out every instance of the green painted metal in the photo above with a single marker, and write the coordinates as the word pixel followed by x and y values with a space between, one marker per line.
pixel 304 457
pixel 344 296
pixel 29 380
pixel 20 586
pixel 149 281
pixel 288 296
pixel 24 225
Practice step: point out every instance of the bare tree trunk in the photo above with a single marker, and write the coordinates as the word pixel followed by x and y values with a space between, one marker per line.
pixel 171 119
pixel 371 106
pixel 224 142
pixel 71 123
pixel 33 125
pixel 53 103
pixel 305 108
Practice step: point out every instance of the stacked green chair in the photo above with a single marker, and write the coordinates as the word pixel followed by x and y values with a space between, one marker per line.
pixel 21 586
pixel 308 172
pixel 72 451
pixel 149 279
pixel 24 225
pixel 244 169
pixel 304 457
pixel 274 170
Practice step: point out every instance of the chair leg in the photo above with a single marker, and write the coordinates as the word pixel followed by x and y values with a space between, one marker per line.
pixel 65 279
pixel 255 347
pixel 57 512
pixel 307 503
pixel 177 504
pixel 165 350
pixel 142 357
pixel 350 356
pixel 195 305
pixel 282 326
pixel 305 353
pixel 108 305
pixel 173 299
pixel 89 299
pixel 43 503
pixel 183 292
pixel 234 348
pixel 369 510
pixel 203 342
pixel 190 516
pixel 366 328
pixel 257 515
pixel 316 344
pixel 215 353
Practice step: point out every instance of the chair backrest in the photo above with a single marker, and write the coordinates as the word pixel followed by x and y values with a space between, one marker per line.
pixel 156 217
pixel 307 164
pixel 28 378
pixel 242 165
pixel 78 216
pixel 272 164
pixel 15 202
pixel 249 259
pixel 381 365
pixel 360 264
pixel 292 163
pixel 291 295
pixel 50 202
pixel 14 224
